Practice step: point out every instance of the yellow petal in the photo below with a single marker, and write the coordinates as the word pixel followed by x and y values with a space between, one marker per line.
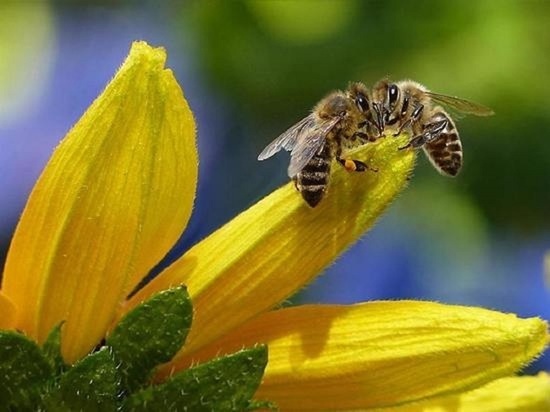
pixel 114 197
pixel 7 312
pixel 269 251
pixel 380 354
pixel 513 394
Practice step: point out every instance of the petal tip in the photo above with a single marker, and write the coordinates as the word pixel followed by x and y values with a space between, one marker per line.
pixel 142 51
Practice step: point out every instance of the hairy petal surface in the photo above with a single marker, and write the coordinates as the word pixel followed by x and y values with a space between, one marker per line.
pixel 114 197
pixel 278 245
pixel 380 354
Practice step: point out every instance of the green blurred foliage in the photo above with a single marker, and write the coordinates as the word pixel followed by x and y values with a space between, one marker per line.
pixel 27 31
pixel 274 59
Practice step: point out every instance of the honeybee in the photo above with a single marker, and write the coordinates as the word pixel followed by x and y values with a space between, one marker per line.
pixel 340 119
pixel 408 105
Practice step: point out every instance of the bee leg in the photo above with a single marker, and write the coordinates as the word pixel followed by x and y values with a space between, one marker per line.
pixel 379 123
pixel 352 165
pixel 435 129
pixel 415 115
pixel 401 127
pixel 403 113
pixel 295 180
pixel 432 131
pixel 361 166
pixel 415 142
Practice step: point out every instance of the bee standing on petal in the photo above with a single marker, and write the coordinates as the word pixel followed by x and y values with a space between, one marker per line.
pixel 339 120
pixel 409 106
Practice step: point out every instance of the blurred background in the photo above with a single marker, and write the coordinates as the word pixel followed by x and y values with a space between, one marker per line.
pixel 250 69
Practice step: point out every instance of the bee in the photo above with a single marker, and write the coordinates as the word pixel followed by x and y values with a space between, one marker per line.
pixel 408 105
pixel 339 120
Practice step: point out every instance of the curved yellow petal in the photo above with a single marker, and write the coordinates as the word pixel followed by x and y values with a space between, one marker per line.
pixel 272 249
pixel 114 197
pixel 513 394
pixel 7 312
pixel 380 354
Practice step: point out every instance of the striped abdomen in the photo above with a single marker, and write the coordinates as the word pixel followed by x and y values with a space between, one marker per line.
pixel 445 152
pixel 312 181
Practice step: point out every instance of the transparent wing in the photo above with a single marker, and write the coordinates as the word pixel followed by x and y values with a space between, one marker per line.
pixel 308 144
pixel 289 138
pixel 461 105
pixel 300 158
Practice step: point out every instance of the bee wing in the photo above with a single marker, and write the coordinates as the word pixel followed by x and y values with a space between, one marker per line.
pixel 461 105
pixel 309 144
pixel 289 138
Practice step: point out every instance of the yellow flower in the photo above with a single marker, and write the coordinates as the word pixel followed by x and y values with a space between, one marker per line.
pixel 118 192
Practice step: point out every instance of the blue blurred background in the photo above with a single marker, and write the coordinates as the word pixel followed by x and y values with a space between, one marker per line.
pixel 252 68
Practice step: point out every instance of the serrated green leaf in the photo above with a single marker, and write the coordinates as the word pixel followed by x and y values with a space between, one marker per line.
pixel 224 384
pixel 90 385
pixel 52 349
pixel 24 371
pixel 151 334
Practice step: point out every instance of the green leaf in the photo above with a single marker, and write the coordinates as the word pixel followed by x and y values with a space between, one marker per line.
pixel 24 372
pixel 224 384
pixel 90 385
pixel 151 334
pixel 52 349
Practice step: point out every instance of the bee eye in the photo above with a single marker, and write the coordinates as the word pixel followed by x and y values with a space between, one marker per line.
pixel 393 92
pixel 362 103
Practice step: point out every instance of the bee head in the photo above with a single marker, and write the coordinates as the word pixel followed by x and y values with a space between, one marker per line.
pixel 386 96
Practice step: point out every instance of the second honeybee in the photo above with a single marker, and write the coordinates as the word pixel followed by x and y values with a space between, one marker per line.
pixel 407 105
